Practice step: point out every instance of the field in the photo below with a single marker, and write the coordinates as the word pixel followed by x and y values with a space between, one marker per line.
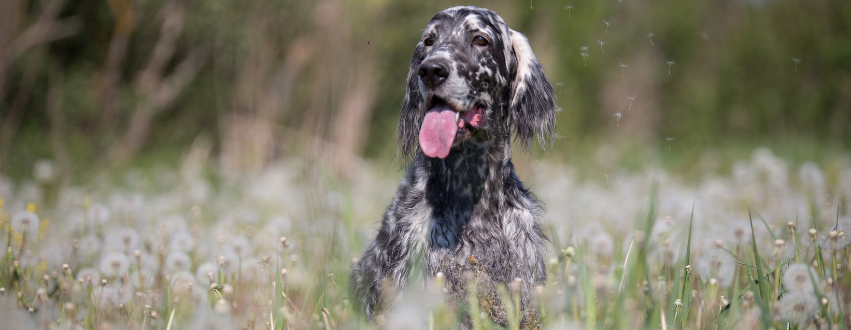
pixel 759 245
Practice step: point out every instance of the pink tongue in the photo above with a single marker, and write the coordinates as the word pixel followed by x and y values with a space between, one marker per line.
pixel 438 131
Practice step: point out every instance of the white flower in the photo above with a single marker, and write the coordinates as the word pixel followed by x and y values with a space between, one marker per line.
pixel 798 307
pixel 799 277
pixel 204 269
pixel 182 242
pixel 25 222
pixel 98 214
pixel 177 261
pixel 602 244
pixel 89 275
pixel 125 239
pixel 114 264
pixel 241 246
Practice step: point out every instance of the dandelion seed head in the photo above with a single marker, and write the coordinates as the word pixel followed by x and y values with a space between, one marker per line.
pixel 601 42
pixel 125 239
pixel 568 7
pixel 796 60
pixel 670 62
pixel 583 48
pixel 798 307
pixel 739 233
pixel 182 242
pixel 650 35
pixel 98 213
pixel 241 246
pixel 25 222
pixel 602 244
pixel 630 98
pixel 114 264
pixel 606 23
pixel 177 261
pixel 203 270
pixel 797 278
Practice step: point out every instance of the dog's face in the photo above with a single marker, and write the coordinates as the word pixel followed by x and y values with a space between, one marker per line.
pixel 473 77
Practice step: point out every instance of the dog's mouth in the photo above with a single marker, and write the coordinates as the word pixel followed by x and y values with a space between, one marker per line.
pixel 444 124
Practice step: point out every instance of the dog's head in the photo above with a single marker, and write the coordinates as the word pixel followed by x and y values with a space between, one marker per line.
pixel 472 77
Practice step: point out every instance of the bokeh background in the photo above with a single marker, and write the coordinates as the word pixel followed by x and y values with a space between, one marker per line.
pixel 97 85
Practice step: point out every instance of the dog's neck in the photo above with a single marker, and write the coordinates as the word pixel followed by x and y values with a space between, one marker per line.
pixel 465 186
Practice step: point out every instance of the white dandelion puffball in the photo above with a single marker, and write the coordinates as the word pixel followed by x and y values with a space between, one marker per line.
pixel 799 278
pixel 181 242
pixel 125 239
pixel 602 244
pixel 201 274
pixel 98 213
pixel 241 246
pixel 114 264
pixel 25 222
pixel 89 275
pixel 798 307
pixel 177 261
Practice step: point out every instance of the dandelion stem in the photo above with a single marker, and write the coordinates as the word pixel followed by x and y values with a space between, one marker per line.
pixel 626 259
pixel 171 318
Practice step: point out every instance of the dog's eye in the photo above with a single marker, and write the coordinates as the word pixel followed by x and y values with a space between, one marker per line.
pixel 428 41
pixel 481 41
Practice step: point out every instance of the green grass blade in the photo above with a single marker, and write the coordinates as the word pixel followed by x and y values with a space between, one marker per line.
pixel 766 226
pixel 757 261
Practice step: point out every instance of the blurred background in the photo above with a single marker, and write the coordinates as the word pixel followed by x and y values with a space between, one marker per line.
pixel 97 85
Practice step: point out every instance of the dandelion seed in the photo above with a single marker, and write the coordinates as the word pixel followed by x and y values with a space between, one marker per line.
pixel 618 116
pixel 584 57
pixel 607 26
pixel 797 61
pixel 25 222
pixel 669 63
pixel 114 264
pixel 798 278
pixel 568 10
pixel 601 45
pixel 669 139
pixel 630 99
pixel 623 68
pixel 798 307
pixel 650 36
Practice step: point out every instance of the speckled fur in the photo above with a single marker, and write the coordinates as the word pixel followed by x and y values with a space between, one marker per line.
pixel 468 215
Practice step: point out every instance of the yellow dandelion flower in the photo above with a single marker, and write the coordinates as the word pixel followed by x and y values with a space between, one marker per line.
pixel 31 207
pixel 42 229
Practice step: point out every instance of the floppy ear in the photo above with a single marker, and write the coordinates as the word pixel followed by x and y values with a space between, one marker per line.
pixel 411 117
pixel 533 102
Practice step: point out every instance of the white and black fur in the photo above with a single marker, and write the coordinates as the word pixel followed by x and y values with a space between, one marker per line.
pixel 468 215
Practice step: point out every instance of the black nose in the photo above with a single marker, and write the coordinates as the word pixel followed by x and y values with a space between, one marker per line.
pixel 433 73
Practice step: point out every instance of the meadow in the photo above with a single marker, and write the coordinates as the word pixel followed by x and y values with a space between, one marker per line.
pixel 762 244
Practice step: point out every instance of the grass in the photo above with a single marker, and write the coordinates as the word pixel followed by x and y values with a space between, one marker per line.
pixel 651 249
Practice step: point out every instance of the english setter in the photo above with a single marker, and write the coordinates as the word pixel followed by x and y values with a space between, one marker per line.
pixel 460 209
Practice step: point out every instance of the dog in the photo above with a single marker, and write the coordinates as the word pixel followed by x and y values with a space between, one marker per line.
pixel 460 212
